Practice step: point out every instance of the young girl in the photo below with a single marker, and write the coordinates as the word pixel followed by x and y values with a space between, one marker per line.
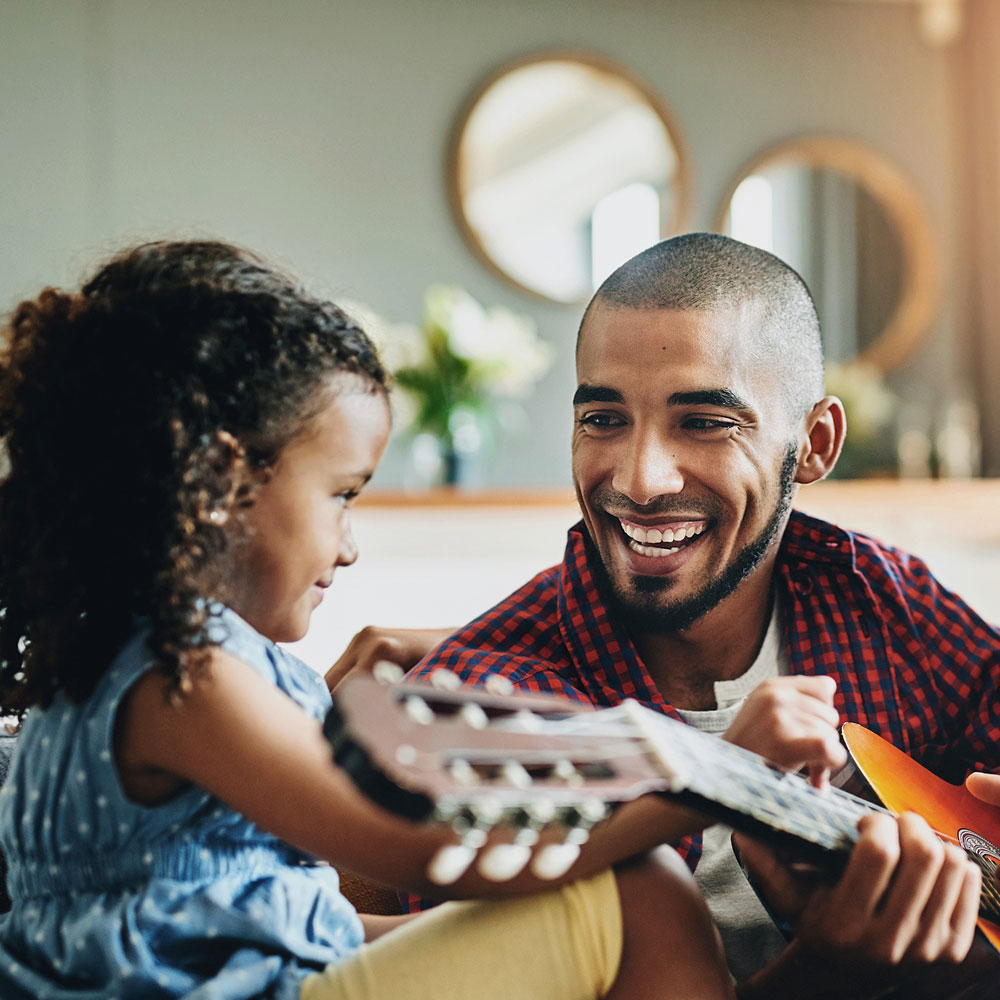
pixel 184 439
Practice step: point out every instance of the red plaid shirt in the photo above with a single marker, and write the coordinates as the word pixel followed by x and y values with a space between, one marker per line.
pixel 912 661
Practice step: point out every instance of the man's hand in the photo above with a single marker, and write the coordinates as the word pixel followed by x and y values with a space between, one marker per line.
pixel 904 897
pixel 791 722
pixel 984 786
pixel 405 647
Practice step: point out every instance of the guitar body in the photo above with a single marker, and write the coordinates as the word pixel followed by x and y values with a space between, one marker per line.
pixel 903 785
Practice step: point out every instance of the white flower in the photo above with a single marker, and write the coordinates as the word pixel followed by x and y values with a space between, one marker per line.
pixel 499 356
pixel 399 345
pixel 515 359
pixel 502 345
pixel 458 314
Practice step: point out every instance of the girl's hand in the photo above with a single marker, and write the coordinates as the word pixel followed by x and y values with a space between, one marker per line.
pixel 985 786
pixel 405 647
pixel 791 722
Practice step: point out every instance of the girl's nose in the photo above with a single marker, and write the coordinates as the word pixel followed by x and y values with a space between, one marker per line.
pixel 348 547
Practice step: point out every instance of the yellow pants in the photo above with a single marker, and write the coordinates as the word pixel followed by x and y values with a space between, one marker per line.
pixel 559 945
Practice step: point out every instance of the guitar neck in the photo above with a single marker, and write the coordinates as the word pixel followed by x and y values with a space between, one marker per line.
pixel 747 792
pixel 438 754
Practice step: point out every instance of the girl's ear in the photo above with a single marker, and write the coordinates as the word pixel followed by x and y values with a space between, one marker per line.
pixel 229 447
pixel 826 426
pixel 227 459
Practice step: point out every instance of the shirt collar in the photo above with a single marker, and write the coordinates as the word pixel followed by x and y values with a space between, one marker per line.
pixel 808 539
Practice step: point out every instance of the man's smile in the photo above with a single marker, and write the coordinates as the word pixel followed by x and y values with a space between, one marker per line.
pixel 664 539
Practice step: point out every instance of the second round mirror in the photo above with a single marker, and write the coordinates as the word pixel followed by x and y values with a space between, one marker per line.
pixel 854 227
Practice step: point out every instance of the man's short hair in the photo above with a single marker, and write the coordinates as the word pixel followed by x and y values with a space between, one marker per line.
pixel 705 271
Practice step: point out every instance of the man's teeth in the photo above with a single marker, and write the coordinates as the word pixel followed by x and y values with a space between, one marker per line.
pixel 648 550
pixel 653 536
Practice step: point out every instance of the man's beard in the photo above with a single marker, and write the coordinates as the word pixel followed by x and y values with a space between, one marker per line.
pixel 639 610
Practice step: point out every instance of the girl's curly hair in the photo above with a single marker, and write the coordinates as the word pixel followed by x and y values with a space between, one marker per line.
pixel 118 411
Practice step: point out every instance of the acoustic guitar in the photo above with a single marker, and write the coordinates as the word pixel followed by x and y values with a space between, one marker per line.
pixel 478 761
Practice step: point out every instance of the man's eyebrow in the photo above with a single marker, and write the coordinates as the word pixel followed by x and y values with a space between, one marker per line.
pixel 710 397
pixel 596 394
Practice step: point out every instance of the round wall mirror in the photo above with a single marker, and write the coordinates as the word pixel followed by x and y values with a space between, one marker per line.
pixel 856 230
pixel 562 167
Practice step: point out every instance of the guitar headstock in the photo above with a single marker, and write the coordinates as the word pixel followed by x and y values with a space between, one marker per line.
pixel 478 761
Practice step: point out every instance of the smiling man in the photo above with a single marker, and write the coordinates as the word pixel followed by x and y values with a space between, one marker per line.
pixel 691 582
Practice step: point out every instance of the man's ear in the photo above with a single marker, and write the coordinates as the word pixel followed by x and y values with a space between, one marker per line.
pixel 825 426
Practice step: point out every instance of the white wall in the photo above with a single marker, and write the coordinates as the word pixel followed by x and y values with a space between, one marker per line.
pixel 315 130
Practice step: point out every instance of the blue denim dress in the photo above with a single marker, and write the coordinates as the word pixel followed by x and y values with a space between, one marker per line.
pixel 185 899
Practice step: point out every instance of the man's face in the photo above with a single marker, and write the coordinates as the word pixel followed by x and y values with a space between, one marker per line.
pixel 683 458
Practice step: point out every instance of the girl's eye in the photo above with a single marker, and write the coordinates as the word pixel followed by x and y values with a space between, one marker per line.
pixel 346 498
pixel 600 420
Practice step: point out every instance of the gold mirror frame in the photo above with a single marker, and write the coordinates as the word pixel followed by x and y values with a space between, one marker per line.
pixel 920 292
pixel 458 186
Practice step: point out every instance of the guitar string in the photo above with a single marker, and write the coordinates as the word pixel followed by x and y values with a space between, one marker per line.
pixel 614 722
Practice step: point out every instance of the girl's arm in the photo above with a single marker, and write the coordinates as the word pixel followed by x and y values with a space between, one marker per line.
pixel 240 738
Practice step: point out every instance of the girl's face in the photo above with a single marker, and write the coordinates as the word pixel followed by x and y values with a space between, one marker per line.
pixel 299 524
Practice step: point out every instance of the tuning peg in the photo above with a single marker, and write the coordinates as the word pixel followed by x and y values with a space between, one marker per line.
pixel 503 861
pixel 566 771
pixel 591 812
pixel 554 860
pixel 498 684
pixel 528 722
pixel 541 811
pixel 450 863
pixel 418 710
pixel 387 672
pixel 463 772
pixel 474 715
pixel 516 774
pixel 445 680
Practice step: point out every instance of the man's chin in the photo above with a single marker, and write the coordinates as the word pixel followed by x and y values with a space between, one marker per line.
pixel 659 617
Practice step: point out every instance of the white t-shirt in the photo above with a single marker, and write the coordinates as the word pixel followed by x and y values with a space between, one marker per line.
pixel 750 937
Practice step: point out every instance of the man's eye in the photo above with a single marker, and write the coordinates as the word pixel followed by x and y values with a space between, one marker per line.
pixel 600 420
pixel 708 424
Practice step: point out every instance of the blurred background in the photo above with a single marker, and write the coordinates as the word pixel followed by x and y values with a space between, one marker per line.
pixel 461 175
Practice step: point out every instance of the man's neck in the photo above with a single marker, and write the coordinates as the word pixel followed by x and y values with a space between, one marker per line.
pixel 720 646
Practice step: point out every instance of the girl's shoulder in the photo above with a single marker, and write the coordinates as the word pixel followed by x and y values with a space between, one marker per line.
pixel 227 630
pixel 299 681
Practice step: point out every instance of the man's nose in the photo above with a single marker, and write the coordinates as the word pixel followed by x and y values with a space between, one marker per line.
pixel 649 468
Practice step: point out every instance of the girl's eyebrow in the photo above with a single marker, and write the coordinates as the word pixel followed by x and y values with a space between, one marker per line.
pixel 357 478
pixel 596 394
